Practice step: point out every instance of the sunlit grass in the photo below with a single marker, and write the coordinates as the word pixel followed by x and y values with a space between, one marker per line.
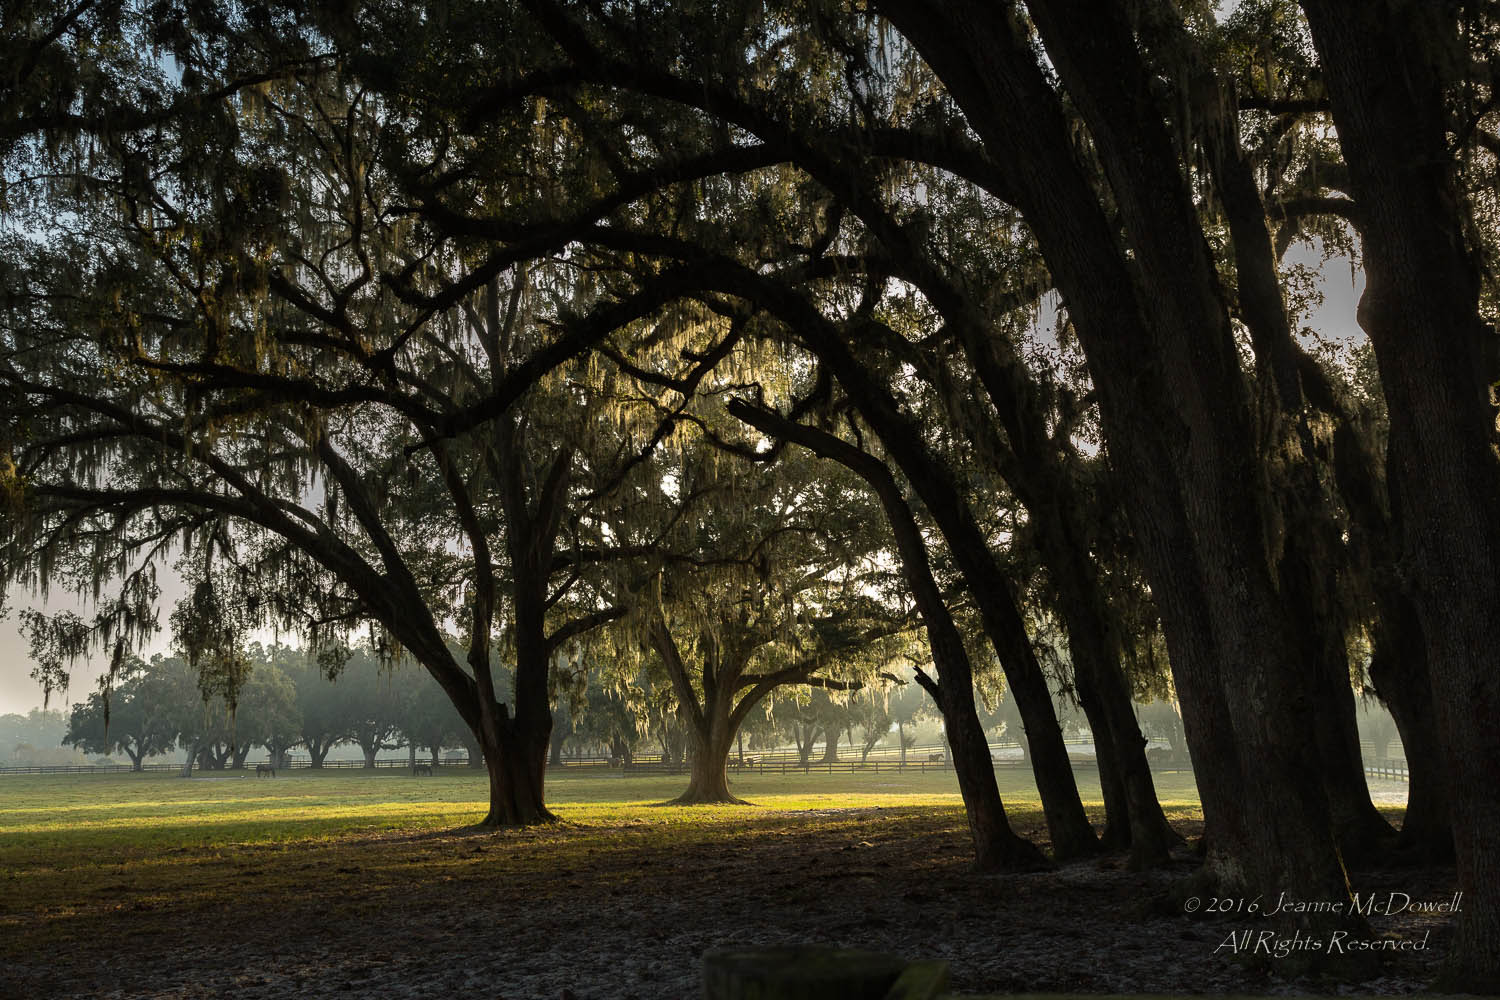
pixel 89 854
pixel 93 811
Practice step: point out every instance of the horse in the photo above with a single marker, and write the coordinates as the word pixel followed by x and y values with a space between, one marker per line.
pixel 420 769
pixel 265 771
pixel 936 758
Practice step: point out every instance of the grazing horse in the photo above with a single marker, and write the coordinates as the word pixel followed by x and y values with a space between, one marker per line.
pixel 265 771
pixel 419 769
pixel 936 758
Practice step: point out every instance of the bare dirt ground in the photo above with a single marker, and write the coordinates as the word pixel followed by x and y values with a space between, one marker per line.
pixel 630 913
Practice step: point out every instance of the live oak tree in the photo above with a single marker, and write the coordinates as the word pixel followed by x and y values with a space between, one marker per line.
pixel 1166 363
pixel 198 715
pixel 774 582
pixel 593 67
pixel 134 719
pixel 996 844
pixel 808 164
pixel 1262 124
pixel 1173 403
pixel 267 714
pixel 425 716
pixel 370 698
pixel 322 722
pixel 292 380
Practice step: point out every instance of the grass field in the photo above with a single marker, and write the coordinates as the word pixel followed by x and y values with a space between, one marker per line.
pixel 58 815
pixel 136 857
pixel 75 849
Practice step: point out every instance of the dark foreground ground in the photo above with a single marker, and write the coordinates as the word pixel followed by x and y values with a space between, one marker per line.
pixel 586 913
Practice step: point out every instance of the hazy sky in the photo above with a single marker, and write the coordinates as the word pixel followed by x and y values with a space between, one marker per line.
pixel 19 693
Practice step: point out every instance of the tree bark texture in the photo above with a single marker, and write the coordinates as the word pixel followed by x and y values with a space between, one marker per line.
pixel 1383 65
pixel 1174 407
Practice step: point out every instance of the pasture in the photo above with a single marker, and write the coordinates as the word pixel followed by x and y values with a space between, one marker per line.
pixel 375 883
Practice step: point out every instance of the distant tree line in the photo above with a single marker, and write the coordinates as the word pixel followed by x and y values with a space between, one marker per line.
pixel 288 704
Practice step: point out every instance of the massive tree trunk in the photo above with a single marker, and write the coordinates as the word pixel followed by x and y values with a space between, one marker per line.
pixel 831 747
pixel 708 780
pixel 514 739
pixel 1312 557
pixel 1384 67
pixel 1398 669
pixel 517 763
pixel 1174 407
pixel 515 744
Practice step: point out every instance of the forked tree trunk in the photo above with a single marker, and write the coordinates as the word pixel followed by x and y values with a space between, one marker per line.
pixel 806 738
pixel 708 779
pixel 516 758
pixel 317 751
